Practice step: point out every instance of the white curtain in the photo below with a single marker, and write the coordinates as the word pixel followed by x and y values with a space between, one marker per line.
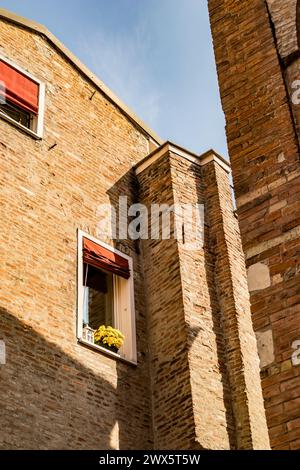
pixel 85 310
pixel 123 315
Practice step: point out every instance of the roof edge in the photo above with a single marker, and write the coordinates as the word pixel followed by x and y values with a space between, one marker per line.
pixel 42 30
pixel 201 160
pixel 213 156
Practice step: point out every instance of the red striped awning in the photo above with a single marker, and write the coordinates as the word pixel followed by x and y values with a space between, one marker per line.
pixel 100 257
pixel 18 89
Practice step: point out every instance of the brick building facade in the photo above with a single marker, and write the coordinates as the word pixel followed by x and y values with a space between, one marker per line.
pixel 258 60
pixel 190 378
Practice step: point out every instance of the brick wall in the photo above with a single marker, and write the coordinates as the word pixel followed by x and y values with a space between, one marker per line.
pixel 204 359
pixel 214 426
pixel 173 418
pixel 257 58
pixel 55 392
pixel 239 339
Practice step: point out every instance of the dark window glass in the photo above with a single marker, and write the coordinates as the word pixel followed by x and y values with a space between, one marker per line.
pixel 17 114
pixel 98 302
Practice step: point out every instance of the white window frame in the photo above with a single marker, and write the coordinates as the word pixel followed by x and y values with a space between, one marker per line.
pixel 37 133
pixel 131 356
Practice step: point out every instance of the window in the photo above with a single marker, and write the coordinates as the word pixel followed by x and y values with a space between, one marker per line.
pixel 105 295
pixel 98 297
pixel 21 98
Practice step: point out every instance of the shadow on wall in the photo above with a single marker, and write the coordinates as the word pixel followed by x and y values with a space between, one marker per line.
pixel 51 401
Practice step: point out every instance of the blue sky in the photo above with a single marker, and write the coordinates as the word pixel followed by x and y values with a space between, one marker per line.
pixel 156 55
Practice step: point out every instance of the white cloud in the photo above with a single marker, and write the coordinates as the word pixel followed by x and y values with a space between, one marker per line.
pixel 122 62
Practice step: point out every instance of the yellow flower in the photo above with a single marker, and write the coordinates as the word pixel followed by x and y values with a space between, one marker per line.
pixel 109 335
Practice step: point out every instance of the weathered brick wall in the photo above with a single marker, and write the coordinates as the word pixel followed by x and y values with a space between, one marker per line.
pixel 204 359
pixel 173 417
pixel 56 393
pixel 212 401
pixel 231 283
pixel 284 21
pixel 257 54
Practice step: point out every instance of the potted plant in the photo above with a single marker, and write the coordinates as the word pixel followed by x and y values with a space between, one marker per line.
pixel 109 338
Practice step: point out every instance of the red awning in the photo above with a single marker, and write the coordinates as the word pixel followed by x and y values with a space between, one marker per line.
pixel 94 278
pixel 19 89
pixel 100 257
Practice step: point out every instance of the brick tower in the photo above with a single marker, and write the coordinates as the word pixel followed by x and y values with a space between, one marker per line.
pixel 258 61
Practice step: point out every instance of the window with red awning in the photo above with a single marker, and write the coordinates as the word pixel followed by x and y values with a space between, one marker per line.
pixel 18 88
pixel 100 257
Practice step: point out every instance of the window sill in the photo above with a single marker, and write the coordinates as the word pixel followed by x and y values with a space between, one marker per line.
pixel 111 354
pixel 20 126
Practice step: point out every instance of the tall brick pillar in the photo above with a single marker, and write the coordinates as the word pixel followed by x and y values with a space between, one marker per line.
pixel 206 389
pixel 231 284
pixel 257 56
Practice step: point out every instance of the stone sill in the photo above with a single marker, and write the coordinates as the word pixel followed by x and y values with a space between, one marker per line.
pixel 102 350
